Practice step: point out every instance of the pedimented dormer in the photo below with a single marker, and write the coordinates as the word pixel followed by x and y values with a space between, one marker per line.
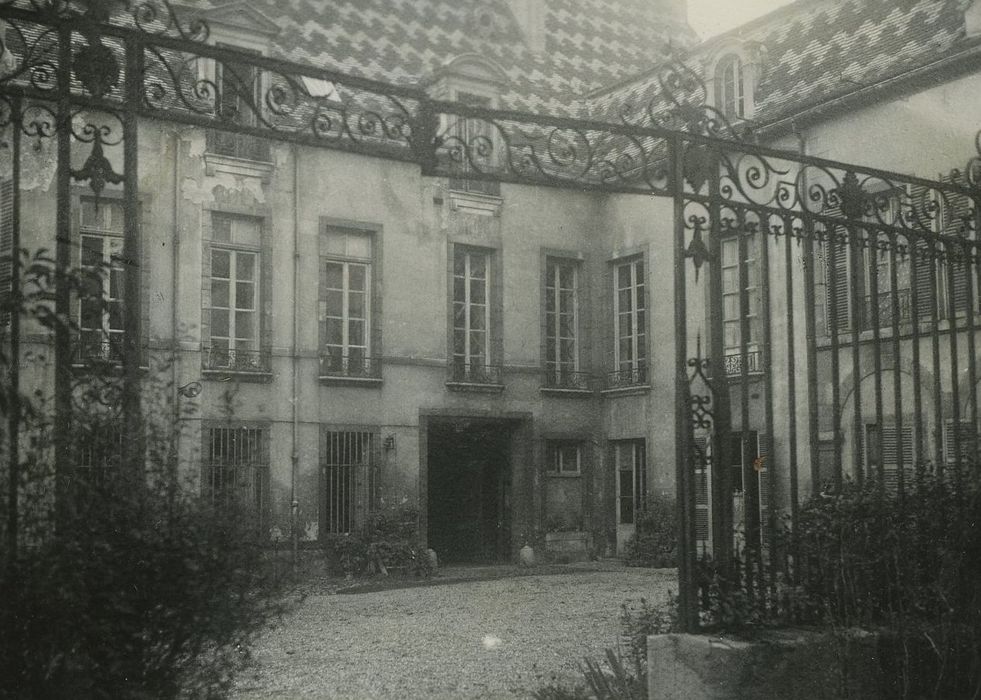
pixel 733 72
pixel 469 74
pixel 238 24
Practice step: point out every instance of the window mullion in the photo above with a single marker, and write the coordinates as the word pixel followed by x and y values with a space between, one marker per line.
pixel 232 298
pixel 345 310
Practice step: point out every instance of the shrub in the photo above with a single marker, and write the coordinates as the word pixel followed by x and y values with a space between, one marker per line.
pixel 655 542
pixel 640 620
pixel 390 539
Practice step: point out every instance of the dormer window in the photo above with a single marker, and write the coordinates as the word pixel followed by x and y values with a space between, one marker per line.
pixel 237 85
pixel 730 87
pixel 734 72
pixel 471 144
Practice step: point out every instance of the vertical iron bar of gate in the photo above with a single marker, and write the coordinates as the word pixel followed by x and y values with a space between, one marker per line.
pixel 970 256
pixel 897 376
pixel 810 349
pixel 132 307
pixel 13 424
pixel 915 252
pixel 873 237
pixel 856 246
pixel 954 450
pixel 788 239
pixel 687 587
pixel 62 332
pixel 767 357
pixel 751 500
pixel 831 245
pixel 722 515
pixel 935 293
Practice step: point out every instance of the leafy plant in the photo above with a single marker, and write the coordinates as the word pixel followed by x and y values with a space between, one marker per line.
pixel 389 540
pixel 642 619
pixel 655 542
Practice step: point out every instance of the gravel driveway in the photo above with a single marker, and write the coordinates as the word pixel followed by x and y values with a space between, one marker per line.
pixel 479 639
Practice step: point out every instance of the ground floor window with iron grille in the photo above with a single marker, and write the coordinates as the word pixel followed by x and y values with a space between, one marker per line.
pixel 347 472
pixel 236 467
pixel 630 465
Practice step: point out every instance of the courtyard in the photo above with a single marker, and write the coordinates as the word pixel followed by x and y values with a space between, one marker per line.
pixel 479 638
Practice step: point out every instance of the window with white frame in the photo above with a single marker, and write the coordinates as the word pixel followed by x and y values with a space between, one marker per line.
pixel 471 312
pixel 100 303
pixel 561 322
pixel 235 293
pixel 732 301
pixel 731 93
pixel 630 466
pixel 345 302
pixel 564 457
pixel 630 320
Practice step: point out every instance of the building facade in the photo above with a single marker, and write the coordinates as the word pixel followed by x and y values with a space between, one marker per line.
pixel 498 356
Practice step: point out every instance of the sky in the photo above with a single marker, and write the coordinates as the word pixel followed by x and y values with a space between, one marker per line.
pixel 711 17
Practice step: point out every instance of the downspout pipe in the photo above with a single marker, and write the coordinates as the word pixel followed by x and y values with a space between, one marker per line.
pixel 294 361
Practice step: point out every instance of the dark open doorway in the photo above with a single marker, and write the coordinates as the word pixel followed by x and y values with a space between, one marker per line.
pixel 469 491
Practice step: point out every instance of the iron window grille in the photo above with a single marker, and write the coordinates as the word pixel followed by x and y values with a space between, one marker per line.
pixel 236 468
pixel 347 467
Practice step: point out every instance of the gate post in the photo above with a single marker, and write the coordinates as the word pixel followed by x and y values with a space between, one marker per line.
pixel 687 587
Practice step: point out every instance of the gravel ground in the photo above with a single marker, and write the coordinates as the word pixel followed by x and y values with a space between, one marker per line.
pixel 477 639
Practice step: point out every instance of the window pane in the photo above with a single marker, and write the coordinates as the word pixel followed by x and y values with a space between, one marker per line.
pixel 244 324
pixel 115 316
pixel 356 305
pixel 355 333
pixel 220 265
pixel 357 277
pixel 478 321
pixel 623 276
pixel 478 266
pixel 624 300
pixel 335 331
pixel 334 275
pixel 567 276
pixel 92 251
pixel 219 323
pixel 478 291
pixel 245 266
pixel 459 262
pixel 244 295
pixel 91 313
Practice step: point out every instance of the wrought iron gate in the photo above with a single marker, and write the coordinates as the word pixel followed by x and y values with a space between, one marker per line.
pixel 847 297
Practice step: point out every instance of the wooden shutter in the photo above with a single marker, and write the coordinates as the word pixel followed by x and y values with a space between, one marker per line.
pixel 762 466
pixel 838 298
pixel 703 493
pixel 967 437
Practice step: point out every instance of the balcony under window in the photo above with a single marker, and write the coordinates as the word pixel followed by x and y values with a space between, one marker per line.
pixel 563 382
pixel 338 368
pixel 222 361
pixel 475 376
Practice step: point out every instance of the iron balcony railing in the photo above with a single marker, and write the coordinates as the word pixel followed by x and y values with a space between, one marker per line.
pixel 475 373
pixel 554 378
pixel 622 378
pixel 246 146
pixel 103 350
pixel 734 363
pixel 223 359
pixel 358 367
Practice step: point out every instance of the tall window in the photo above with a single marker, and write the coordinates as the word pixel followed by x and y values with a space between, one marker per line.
pixel 561 322
pixel 630 463
pixel 100 306
pixel 731 87
pixel 471 314
pixel 235 293
pixel 630 317
pixel 345 303
pixel 473 144
pixel 346 457
pixel 733 311
pixel 236 467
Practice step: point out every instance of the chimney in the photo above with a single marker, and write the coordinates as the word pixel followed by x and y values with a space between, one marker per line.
pixel 530 16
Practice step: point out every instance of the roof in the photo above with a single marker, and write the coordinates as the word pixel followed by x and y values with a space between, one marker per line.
pixel 817 50
pixel 589 43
